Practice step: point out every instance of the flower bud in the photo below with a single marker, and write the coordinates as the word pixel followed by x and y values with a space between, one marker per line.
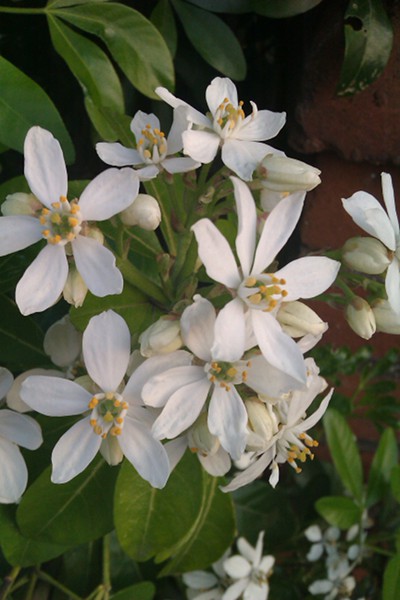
pixel 360 317
pixel 14 400
pixel 261 421
pixel 111 451
pixel 298 319
pixel 95 233
pixel 366 254
pixel 387 321
pixel 62 342
pixel 200 439
pixel 284 174
pixel 75 289
pixel 160 338
pixel 144 211
pixel 20 204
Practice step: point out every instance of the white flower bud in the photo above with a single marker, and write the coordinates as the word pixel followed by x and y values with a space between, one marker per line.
pixel 387 321
pixel 94 233
pixel 261 421
pixel 13 397
pixel 360 317
pixel 160 338
pixel 20 204
pixel 200 439
pixel 298 319
pixel 62 342
pixel 366 254
pixel 284 174
pixel 144 211
pixel 111 451
pixel 75 289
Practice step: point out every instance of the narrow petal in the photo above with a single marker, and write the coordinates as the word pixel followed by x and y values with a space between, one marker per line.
pixel 20 429
pixel 80 444
pixel 308 277
pixel 108 194
pixel 368 214
pixel 45 169
pixel 227 419
pixel 54 396
pixel 13 473
pixel 230 332
pixel 390 203
pixel 43 281
pixel 197 327
pixel 158 390
pixel 117 155
pixel 202 145
pixel 146 454
pixel 247 225
pixel 263 125
pixel 18 232
pixel 106 347
pixel 96 266
pixel 392 285
pixel 179 125
pixel 277 347
pixel 278 228
pixel 316 416
pixel 251 473
pixel 242 157
pixel 180 164
pixel 216 254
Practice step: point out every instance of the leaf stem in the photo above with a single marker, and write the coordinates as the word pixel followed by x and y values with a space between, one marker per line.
pixel 9 580
pixel 106 566
pixel 49 579
pixel 22 11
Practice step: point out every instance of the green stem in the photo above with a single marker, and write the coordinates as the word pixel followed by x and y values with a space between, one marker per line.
pixel 45 577
pixel 106 566
pixel 136 278
pixel 166 226
pixel 8 582
pixel 142 242
pixel 378 550
pixel 22 11
pixel 31 588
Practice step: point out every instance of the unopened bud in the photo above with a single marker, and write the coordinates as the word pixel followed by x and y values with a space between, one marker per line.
pixel 144 211
pixel 14 400
pixel 62 342
pixel 208 196
pixel 160 338
pixel 366 254
pixel 261 421
pixel 111 450
pixel 75 289
pixel 284 174
pixel 298 319
pixel 360 317
pixel 387 321
pixel 20 204
pixel 95 234
pixel 200 439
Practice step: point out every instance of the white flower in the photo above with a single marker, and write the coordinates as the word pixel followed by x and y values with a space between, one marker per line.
pixel 227 126
pixel 259 295
pixel 15 430
pixel 203 585
pixel 368 214
pixel 249 570
pixel 63 225
pixel 113 421
pixel 154 152
pixel 387 321
pixel 360 317
pixel 322 542
pixel 161 337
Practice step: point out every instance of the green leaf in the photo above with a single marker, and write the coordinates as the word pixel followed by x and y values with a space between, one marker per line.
pixel 368 44
pixel 141 591
pixel 91 67
pixel 391 579
pixel 339 511
pixel 23 103
pixel 20 550
pixel 163 18
pixel 111 125
pixel 65 3
pixel 11 186
pixel 21 340
pixel 395 482
pixel 384 461
pixel 69 513
pixel 344 451
pixel 212 39
pixel 135 44
pixel 224 6
pixel 279 9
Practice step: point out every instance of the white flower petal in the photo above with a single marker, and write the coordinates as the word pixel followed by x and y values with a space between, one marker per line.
pixel 43 281
pixel 18 232
pixel 146 454
pixel 313 533
pixel 251 473
pixel 199 580
pixel 179 125
pixel 368 214
pixel 390 203
pixel 141 121
pixel 197 327
pixel 237 567
pixel 392 285
pixel 256 591
pixel 242 157
pixel 20 429
pixel 54 397
pixel 62 342
pixel 201 146
pixel 13 473
pixel 247 225
pixel 264 125
pixel 230 332
pixel 227 419
pixel 6 381
pixel 14 399
pixel 180 164
pixel 315 552
pixel 45 169
pixel 217 464
pixel 117 155
pixel 247 549
pixel 96 265
pixel 108 194
pixel 234 591
pixel 148 172
pixel 263 378
pixel 80 444
pixel 219 89
pixel 157 391
pixel 216 254
pixel 106 347
pixel 175 449
pixel 308 277
pixel 320 586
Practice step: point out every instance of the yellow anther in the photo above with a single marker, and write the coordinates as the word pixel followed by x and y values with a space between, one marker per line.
pixel 56 205
pixel 241 102
pixel 140 142
pixel 147 154
pixel 125 405
pixel 63 199
pixel 104 435
pixel 255 298
pixel 46 232
pixel 93 422
pixel 97 429
pixel 73 221
pixel 244 375
pixel 282 281
pixel 119 420
pixel 109 395
pixel 94 402
pixel 219 121
pixel 212 378
pixel 315 443
pixel 298 470
pixel 45 211
pixel 250 282
pixel 116 431
pixel 74 209
pixel 284 293
pixel 231 372
pixel 42 220
pixel 302 436
pixel 117 403
pixel 56 239
pixel 70 236
pixel 148 126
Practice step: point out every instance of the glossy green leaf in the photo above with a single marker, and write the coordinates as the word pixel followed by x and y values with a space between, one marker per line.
pixel 111 125
pixel 344 451
pixel 65 3
pixel 368 44
pixel 23 103
pixel 391 579
pixel 212 39
pixel 91 67
pixel 11 186
pixel 385 459
pixel 20 550
pixel 339 511
pixel 135 44
pixel 279 9
pixel 224 6
pixel 163 18
pixel 141 591
pixel 70 513
pixel 395 482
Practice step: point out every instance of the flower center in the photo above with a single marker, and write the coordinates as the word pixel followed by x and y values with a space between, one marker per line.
pixel 153 146
pixel 228 117
pixel 300 450
pixel 264 292
pixel 62 223
pixel 108 413
pixel 226 373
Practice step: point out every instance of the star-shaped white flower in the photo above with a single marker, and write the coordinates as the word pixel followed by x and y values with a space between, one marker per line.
pixel 259 295
pixel 154 151
pixel 113 420
pixel 227 126
pixel 369 214
pixel 63 225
